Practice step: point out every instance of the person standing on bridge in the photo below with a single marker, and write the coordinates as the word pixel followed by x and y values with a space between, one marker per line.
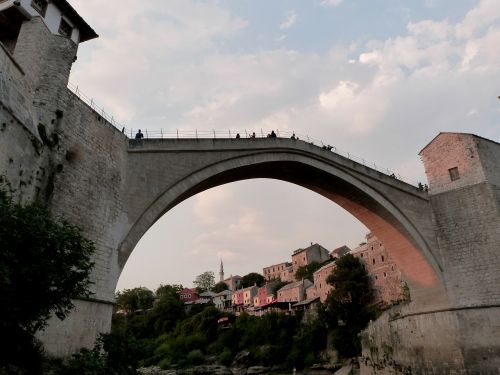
pixel 139 135
pixel 273 134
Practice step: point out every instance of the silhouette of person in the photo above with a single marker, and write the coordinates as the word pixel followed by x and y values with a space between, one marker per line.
pixel 273 134
pixel 139 135
pixel 293 136
pixel 238 136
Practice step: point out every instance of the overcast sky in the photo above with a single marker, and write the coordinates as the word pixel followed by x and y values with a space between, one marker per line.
pixel 376 78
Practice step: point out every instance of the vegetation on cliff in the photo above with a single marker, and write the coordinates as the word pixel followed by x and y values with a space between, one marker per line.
pixel 44 264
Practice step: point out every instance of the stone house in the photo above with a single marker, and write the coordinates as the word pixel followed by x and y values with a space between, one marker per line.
pixel 282 271
pixel 313 253
pixel 321 287
pixel 294 292
pixel 233 282
pixel 384 274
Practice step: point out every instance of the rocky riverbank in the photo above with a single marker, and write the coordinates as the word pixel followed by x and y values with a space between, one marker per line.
pixel 223 370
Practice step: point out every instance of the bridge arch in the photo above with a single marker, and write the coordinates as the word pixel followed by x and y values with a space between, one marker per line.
pixel 398 215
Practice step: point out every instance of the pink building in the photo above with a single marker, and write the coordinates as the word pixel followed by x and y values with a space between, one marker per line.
pixel 385 276
pixel 314 253
pixel 282 271
pixel 294 292
pixel 188 295
pixel 237 297
pixel 321 287
pixel 244 296
pixel 264 295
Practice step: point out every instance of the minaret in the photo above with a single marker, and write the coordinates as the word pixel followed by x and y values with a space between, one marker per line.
pixel 221 272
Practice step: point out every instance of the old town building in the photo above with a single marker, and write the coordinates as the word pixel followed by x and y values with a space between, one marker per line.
pixel 385 276
pixel 282 271
pixel 314 253
pixel 188 295
pixel 321 287
pixel 294 292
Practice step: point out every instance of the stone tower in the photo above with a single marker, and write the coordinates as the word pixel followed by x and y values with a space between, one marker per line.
pixel 221 272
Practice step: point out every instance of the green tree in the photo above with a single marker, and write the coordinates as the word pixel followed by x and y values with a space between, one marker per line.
pixel 251 279
pixel 44 264
pixel 277 285
pixel 140 298
pixel 167 289
pixel 307 271
pixel 348 307
pixel 167 311
pixel 205 281
pixel 220 287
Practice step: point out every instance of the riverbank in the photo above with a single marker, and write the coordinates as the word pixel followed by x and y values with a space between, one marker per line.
pixel 253 370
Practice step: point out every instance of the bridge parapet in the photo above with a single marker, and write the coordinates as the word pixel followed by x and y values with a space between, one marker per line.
pixel 187 145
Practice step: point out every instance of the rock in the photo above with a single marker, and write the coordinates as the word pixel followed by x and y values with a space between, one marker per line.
pixel 241 359
pixel 206 369
pixel 257 370
pixel 155 370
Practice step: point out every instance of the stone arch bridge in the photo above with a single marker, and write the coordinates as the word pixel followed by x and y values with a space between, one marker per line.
pixel 55 146
pixel 164 172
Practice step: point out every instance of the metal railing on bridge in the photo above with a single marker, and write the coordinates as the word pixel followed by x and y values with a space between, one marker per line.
pixel 261 133
pixel 226 134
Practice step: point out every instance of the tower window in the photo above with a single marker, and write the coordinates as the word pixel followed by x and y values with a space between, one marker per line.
pixel 40 6
pixel 454 175
pixel 373 260
pixel 65 29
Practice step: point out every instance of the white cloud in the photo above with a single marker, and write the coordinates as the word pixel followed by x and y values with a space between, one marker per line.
pixel 290 20
pixel 344 92
pixel 331 3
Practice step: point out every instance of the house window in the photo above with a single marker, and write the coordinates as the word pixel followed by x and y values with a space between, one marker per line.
pixel 373 260
pixel 65 29
pixel 376 277
pixel 385 274
pixel 454 175
pixel 382 258
pixel 40 6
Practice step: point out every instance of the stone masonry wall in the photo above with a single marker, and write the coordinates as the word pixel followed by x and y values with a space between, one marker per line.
pixel 462 341
pixel 22 155
pixel 68 156
pixel 450 150
pixel 464 338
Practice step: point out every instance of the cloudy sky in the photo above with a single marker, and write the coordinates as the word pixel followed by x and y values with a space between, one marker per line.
pixel 376 78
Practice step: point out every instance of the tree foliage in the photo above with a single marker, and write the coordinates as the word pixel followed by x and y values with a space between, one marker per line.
pixel 220 287
pixel 307 271
pixel 277 285
pixel 205 281
pixel 44 264
pixel 349 305
pixel 140 298
pixel 251 279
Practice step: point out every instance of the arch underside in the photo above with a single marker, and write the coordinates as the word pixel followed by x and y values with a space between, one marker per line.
pixel 409 249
